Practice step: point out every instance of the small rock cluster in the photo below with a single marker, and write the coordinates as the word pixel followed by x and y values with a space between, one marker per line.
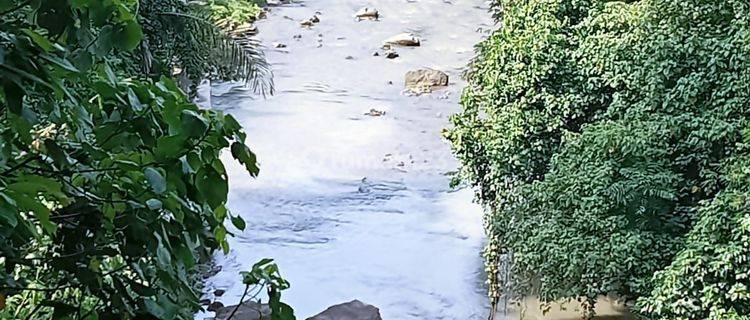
pixel 310 22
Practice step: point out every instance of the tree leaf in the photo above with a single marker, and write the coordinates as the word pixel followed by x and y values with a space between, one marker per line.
pixel 8 211
pixel 128 36
pixel 238 222
pixel 243 154
pixel 155 180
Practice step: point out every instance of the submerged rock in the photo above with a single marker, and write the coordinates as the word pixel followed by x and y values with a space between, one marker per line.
pixel 367 13
pixel 248 310
pixel 215 306
pixel 404 39
pixel 353 310
pixel 375 113
pixel 424 80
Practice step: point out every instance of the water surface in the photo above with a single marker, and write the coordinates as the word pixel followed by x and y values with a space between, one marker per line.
pixel 353 206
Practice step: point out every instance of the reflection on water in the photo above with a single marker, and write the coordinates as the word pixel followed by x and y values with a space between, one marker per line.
pixel 353 206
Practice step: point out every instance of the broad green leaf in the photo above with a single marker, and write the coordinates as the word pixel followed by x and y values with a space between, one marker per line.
pixel 128 36
pixel 156 180
pixel 193 124
pixel 212 186
pixel 170 147
pixel 154 204
pixel 40 40
pixel 13 96
pixel 243 154
pixel 27 202
pixel 238 222
pixel 8 211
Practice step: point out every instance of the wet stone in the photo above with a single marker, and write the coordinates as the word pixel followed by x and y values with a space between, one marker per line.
pixel 391 54
pixel 353 310
pixel 248 310
pixel 367 13
pixel 215 306
pixel 424 80
pixel 375 113
pixel 403 39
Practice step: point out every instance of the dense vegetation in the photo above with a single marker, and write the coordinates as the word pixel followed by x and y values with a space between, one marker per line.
pixel 111 188
pixel 608 141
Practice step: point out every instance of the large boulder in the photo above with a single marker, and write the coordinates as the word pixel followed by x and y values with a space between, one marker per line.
pixel 248 310
pixel 404 39
pixel 424 80
pixel 353 310
pixel 367 13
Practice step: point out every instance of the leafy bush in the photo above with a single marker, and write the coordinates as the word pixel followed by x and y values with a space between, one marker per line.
pixel 710 276
pixel 594 130
pixel 111 187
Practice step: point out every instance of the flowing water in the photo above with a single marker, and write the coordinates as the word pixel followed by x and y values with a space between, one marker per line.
pixel 349 205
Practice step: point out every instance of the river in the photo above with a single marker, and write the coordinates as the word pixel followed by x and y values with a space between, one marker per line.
pixel 353 206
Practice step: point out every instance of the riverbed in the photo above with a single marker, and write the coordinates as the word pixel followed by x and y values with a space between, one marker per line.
pixel 351 205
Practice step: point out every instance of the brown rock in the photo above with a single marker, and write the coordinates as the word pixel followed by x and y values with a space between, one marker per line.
pixel 248 310
pixel 424 80
pixel 367 13
pixel 214 306
pixel 353 310
pixel 404 39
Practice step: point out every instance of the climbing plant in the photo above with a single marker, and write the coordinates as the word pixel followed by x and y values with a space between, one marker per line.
pixel 111 187
pixel 595 132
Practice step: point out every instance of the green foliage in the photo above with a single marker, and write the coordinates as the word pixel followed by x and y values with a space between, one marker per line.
pixel 594 131
pixel 265 274
pixel 235 11
pixel 709 277
pixel 192 40
pixel 111 187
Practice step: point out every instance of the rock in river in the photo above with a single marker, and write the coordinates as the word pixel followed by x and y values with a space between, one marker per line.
pixel 367 13
pixel 404 39
pixel 353 310
pixel 249 310
pixel 424 80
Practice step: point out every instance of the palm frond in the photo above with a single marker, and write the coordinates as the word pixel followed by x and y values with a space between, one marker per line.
pixel 205 48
